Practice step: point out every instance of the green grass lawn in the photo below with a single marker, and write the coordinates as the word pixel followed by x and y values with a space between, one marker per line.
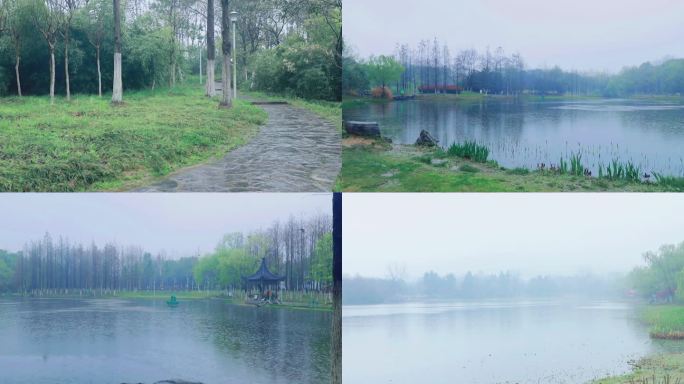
pixel 375 167
pixel 89 145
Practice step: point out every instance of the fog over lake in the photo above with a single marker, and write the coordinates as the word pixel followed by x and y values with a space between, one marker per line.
pixel 575 34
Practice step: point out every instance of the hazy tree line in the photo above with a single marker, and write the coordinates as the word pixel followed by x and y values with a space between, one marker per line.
pixel 359 290
pixel 300 249
pixel 432 67
pixel 661 279
pixel 67 46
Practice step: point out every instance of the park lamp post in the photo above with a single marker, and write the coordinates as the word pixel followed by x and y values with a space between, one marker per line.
pixel 233 19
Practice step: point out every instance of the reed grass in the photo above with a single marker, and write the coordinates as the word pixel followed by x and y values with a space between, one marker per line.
pixel 469 150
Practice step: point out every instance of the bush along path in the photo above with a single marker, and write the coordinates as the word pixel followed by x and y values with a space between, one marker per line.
pixel 295 151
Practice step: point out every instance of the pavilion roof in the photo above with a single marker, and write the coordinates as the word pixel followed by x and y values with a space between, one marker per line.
pixel 263 274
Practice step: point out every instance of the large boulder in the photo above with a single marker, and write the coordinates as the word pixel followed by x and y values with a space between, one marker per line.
pixel 362 128
pixel 426 139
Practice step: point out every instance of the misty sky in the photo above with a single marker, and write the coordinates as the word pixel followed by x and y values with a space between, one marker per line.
pixel 180 224
pixel 530 234
pixel 574 34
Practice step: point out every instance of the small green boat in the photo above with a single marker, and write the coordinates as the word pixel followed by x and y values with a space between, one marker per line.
pixel 173 302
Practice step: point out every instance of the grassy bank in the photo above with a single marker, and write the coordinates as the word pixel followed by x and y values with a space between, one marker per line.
pixel 329 110
pixel 88 144
pixel 666 321
pixel 372 166
pixel 662 369
pixel 293 300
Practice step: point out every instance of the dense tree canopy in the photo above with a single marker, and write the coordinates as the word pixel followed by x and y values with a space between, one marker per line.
pixel 282 46
pixel 430 68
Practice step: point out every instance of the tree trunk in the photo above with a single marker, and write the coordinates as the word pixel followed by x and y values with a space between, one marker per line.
pixel 226 99
pixel 52 74
pixel 66 65
pixel 211 50
pixel 117 91
pixel 99 73
pixel 336 344
pixel 210 86
pixel 117 87
pixel 16 71
pixel 172 72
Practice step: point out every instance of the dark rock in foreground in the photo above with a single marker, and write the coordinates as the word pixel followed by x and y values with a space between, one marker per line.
pixel 362 128
pixel 426 139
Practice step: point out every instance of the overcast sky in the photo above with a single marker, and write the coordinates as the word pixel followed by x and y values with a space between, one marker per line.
pixel 180 224
pixel 575 34
pixel 530 234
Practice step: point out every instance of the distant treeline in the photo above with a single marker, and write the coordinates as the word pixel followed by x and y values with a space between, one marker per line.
pixel 431 67
pixel 362 290
pixel 300 249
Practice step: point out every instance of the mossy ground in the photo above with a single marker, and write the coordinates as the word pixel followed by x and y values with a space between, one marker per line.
pixel 88 144
pixel 375 166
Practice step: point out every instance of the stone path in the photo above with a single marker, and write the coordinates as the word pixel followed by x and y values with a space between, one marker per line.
pixel 295 151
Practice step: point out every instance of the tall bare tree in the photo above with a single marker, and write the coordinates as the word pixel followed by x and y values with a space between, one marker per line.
pixel 68 8
pixel 226 47
pixel 117 87
pixel 336 345
pixel 45 15
pixel 95 33
pixel 16 14
pixel 211 49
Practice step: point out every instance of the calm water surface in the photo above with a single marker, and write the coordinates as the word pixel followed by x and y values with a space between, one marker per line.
pixel 115 341
pixel 492 342
pixel 524 134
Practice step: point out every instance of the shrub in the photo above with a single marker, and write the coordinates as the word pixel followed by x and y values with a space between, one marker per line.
pixel 378 93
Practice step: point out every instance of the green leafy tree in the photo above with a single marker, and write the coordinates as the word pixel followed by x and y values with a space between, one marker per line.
pixel 383 70
pixel 321 268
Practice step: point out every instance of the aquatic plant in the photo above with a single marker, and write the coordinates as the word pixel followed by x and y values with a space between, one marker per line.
pixel 576 167
pixel 562 166
pixel 615 170
pixel 518 171
pixel 676 183
pixel 632 172
pixel 469 150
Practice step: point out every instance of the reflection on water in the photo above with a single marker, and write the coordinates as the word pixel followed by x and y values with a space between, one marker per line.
pixel 524 134
pixel 492 342
pixel 115 341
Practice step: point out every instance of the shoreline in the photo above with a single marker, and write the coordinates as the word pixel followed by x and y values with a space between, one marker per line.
pixel 373 165
pixel 214 295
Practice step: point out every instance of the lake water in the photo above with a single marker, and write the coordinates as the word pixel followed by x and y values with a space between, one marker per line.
pixel 131 341
pixel 524 134
pixel 492 342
